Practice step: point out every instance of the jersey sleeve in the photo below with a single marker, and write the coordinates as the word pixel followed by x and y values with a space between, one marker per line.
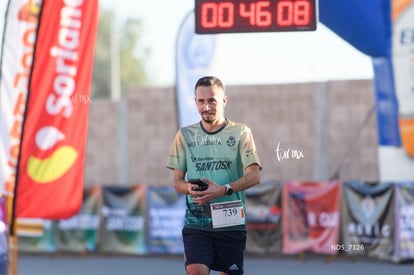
pixel 177 158
pixel 248 150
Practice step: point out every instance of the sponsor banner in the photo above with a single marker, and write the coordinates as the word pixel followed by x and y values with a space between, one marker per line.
pixel 194 59
pixel 51 164
pixel 367 219
pixel 395 97
pixel 264 218
pixel 80 232
pixel 404 221
pixel 403 65
pixel 18 23
pixel 311 217
pixel 123 215
pixel 36 235
pixel 166 210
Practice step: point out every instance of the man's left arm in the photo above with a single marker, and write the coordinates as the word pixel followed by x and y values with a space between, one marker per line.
pixel 250 178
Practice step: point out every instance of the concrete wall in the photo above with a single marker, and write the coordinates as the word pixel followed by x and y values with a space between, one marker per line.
pixel 318 120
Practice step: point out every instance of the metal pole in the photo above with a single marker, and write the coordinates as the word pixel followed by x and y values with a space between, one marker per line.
pixel 115 58
pixel 321 140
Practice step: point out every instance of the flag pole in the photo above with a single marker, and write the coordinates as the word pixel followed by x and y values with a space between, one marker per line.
pixel 12 243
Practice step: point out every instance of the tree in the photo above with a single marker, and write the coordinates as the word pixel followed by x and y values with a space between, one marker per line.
pixel 132 66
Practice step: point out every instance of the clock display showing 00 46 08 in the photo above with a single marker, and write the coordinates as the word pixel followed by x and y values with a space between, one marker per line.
pixel 233 16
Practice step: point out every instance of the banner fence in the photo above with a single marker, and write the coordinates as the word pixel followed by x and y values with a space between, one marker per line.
pixel 353 218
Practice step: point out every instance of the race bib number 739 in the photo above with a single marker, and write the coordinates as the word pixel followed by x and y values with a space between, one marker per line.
pixel 227 214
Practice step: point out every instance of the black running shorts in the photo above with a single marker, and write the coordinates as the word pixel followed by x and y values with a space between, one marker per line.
pixel 218 250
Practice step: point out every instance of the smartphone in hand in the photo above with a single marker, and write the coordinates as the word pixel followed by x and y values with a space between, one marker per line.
pixel 202 185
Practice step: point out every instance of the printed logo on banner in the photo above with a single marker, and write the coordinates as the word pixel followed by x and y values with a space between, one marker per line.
pixel 310 216
pixel 30 12
pixel 369 226
pixel 45 166
pixel 368 219
pixel 368 206
pixel 52 167
pixel 54 140
pixel 123 219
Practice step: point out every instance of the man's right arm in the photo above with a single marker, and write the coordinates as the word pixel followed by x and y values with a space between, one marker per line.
pixel 180 185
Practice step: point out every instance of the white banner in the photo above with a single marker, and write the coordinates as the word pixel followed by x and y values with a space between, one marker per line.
pixel 3 9
pixel 194 59
pixel 16 63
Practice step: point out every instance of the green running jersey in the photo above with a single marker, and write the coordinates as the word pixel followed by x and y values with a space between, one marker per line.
pixel 220 156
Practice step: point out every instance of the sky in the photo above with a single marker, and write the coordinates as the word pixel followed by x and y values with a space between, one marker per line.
pixel 247 58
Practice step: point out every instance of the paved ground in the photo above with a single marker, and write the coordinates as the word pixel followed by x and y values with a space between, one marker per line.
pixel 171 265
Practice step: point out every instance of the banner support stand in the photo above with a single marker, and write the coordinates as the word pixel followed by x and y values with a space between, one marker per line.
pixel 12 240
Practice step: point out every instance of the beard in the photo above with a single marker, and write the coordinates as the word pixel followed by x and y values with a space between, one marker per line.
pixel 208 117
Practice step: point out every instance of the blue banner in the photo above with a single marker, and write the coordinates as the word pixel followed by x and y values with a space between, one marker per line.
pixel 387 106
pixel 166 210
pixel 366 24
pixel 404 221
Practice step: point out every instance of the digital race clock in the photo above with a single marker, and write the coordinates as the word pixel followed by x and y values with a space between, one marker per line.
pixel 232 16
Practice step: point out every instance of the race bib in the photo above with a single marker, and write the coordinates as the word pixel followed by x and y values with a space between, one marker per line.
pixel 226 214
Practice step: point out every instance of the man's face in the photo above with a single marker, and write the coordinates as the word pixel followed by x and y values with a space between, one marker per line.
pixel 210 102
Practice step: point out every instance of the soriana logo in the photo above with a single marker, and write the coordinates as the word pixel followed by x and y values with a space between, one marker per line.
pixel 51 163
pixel 55 127
pixel 57 163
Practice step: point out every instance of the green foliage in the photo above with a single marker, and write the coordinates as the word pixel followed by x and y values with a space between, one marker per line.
pixel 132 65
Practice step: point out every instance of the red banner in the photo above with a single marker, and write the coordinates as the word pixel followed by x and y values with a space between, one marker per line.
pixel 51 165
pixel 311 217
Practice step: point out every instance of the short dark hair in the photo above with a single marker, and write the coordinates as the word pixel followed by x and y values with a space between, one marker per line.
pixel 209 81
